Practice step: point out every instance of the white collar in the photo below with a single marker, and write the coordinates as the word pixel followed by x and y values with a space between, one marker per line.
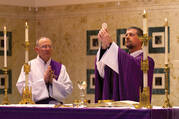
pixel 41 60
pixel 136 53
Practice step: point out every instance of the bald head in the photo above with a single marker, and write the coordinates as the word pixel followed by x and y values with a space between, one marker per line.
pixel 42 39
pixel 44 48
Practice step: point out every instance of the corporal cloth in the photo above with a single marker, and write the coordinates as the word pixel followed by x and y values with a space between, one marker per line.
pixel 121 82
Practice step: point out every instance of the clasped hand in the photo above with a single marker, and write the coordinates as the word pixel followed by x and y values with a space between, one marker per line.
pixel 47 75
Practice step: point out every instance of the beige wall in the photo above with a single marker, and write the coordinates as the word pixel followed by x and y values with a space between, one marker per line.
pixel 67 26
pixel 14 18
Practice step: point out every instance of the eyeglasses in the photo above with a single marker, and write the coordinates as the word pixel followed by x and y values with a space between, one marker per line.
pixel 46 46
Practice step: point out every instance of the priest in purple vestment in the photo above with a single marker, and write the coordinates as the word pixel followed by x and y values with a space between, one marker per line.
pixel 118 74
pixel 49 79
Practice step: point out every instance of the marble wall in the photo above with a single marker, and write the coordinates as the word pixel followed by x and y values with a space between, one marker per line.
pixel 67 26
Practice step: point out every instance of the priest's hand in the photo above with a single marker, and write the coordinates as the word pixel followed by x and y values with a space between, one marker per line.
pixel 105 38
pixel 47 75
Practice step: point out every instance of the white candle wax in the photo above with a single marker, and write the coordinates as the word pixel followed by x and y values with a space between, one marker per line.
pixel 145 23
pixel 145 79
pixel 26 56
pixel 145 32
pixel 145 50
pixel 26 40
pixel 5 47
pixel 26 32
pixel 166 41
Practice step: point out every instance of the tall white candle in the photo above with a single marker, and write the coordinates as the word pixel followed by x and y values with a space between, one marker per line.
pixel 145 32
pixel 166 41
pixel 145 23
pixel 5 47
pixel 26 41
pixel 26 32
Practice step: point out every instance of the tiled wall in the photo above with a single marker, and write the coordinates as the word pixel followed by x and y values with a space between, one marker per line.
pixel 67 26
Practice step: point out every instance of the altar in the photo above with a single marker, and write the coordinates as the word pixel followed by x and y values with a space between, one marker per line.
pixel 49 112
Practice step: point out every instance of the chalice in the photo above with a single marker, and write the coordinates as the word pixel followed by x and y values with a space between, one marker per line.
pixel 82 86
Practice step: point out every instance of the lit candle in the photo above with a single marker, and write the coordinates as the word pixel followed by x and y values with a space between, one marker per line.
pixel 26 41
pixel 145 22
pixel 5 47
pixel 145 32
pixel 26 32
pixel 166 41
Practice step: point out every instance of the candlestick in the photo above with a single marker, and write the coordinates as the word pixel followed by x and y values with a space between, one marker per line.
pixel 145 45
pixel 145 80
pixel 27 90
pixel 5 47
pixel 145 68
pixel 166 41
pixel 166 103
pixel 144 96
pixel 5 98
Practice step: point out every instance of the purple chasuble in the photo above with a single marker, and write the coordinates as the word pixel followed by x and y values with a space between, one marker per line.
pixel 56 67
pixel 126 84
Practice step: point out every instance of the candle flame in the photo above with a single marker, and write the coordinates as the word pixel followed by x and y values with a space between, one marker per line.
pixel 144 11
pixel 26 23
pixel 4 28
pixel 145 14
pixel 166 22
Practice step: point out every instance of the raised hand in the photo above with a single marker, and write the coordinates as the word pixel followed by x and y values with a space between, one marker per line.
pixel 105 38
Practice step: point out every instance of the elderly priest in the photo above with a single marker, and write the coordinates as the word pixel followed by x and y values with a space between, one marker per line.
pixel 49 79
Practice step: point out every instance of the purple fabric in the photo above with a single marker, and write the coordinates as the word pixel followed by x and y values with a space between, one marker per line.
pixel 85 113
pixel 126 84
pixel 56 67
pixel 164 114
